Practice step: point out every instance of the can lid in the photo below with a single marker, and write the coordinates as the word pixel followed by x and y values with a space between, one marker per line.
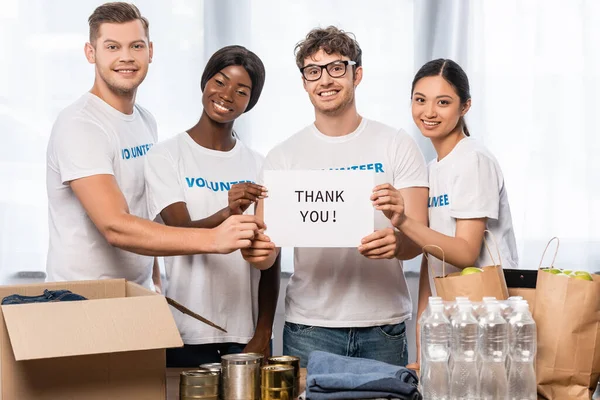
pixel 277 367
pixel 284 358
pixel 215 367
pixel 211 365
pixel 242 358
pixel 198 372
pixel 199 376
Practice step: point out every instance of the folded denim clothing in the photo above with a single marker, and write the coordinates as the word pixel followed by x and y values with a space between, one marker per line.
pixel 47 297
pixel 332 377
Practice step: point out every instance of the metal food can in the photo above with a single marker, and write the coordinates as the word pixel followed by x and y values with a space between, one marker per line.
pixel 199 384
pixel 278 382
pixel 294 362
pixel 215 367
pixel 241 376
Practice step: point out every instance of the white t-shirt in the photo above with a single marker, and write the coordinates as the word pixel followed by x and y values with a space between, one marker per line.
pixel 220 287
pixel 92 138
pixel 468 183
pixel 338 287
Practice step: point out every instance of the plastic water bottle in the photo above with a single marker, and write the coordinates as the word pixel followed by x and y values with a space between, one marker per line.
pixel 426 313
pixel 523 348
pixel 493 345
pixel 453 315
pixel 435 342
pixel 455 306
pixel 481 309
pixel 427 310
pixel 507 311
pixel 464 382
pixel 509 307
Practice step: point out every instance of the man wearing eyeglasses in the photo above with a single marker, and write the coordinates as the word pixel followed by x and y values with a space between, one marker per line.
pixel 347 301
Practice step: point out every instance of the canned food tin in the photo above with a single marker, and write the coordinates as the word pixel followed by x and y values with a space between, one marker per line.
pixel 215 367
pixel 277 376
pixel 241 376
pixel 294 362
pixel 198 384
pixel 277 382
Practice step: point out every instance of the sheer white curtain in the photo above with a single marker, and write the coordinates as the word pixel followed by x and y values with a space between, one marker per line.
pixel 534 70
pixel 535 77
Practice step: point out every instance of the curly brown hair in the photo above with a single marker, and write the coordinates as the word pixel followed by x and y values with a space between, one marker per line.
pixel 116 13
pixel 330 40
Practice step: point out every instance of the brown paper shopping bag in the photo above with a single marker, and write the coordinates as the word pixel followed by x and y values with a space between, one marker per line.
pixel 567 314
pixel 490 282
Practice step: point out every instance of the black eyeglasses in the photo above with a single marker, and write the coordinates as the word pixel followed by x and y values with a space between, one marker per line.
pixel 335 69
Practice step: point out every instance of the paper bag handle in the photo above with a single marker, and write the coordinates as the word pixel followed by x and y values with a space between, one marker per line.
pixel 443 258
pixel 488 247
pixel 555 251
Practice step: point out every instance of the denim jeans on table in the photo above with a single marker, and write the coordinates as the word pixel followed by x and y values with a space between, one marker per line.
pixel 385 343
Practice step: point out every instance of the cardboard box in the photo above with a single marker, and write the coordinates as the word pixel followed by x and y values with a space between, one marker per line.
pixel 108 347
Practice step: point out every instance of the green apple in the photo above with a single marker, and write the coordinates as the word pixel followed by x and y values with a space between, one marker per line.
pixel 471 270
pixel 583 275
pixel 567 271
pixel 561 274
pixel 554 271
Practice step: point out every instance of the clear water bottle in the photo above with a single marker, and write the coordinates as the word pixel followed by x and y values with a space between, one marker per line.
pixel 453 315
pixel 427 310
pixel 426 313
pixel 464 382
pixel 507 311
pixel 455 306
pixel 481 308
pixel 493 348
pixel 509 307
pixel 523 348
pixel 435 342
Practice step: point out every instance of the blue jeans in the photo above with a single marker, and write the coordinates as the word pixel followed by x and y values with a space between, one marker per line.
pixel 385 343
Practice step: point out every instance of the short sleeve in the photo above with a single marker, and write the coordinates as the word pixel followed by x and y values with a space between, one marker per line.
pixel 475 191
pixel 163 183
pixel 80 149
pixel 410 169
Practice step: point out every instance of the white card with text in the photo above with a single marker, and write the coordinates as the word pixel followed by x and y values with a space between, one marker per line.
pixel 323 208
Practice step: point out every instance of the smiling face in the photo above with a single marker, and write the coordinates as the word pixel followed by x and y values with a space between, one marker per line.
pixel 329 95
pixel 227 94
pixel 121 53
pixel 436 107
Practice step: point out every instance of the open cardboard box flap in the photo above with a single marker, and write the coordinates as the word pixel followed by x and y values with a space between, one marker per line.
pixel 141 321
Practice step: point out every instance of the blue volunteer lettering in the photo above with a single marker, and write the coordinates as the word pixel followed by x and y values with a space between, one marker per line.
pixel 378 167
pixel 439 201
pixel 215 186
pixel 136 151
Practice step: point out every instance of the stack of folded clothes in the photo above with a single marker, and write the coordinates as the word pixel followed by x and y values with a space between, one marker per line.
pixel 330 377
